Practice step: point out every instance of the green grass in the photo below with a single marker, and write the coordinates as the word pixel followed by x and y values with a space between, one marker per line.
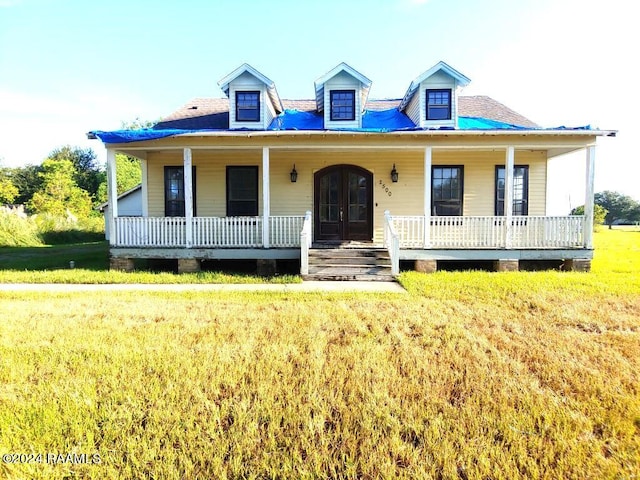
pixel 50 264
pixel 471 375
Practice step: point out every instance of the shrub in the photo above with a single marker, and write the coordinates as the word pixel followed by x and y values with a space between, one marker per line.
pixel 599 214
pixel 17 229
pixel 56 230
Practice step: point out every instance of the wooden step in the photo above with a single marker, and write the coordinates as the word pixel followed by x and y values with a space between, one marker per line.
pixel 348 261
pixel 347 252
pixel 343 264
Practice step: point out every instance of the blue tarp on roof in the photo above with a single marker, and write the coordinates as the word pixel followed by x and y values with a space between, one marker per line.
pixel 478 123
pixel 372 121
pixel 297 120
pixel 386 120
pixel 127 136
pixel 391 120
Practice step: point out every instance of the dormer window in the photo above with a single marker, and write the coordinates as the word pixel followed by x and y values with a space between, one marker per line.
pixel 248 106
pixel 438 104
pixel 343 105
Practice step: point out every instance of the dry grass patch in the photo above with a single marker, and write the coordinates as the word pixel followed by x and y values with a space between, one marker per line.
pixel 317 386
pixel 471 376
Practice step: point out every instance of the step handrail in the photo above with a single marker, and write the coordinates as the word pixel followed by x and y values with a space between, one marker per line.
pixel 305 243
pixel 392 243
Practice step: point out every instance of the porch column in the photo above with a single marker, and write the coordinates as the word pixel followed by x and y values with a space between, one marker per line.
pixel 508 194
pixel 188 197
pixel 266 197
pixel 588 197
pixel 145 190
pixel 427 197
pixel 112 195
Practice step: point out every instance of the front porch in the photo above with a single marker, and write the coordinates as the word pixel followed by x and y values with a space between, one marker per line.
pixel 356 188
pixel 418 238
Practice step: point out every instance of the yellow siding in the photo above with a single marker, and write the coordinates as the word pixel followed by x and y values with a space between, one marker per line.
pixel 210 179
pixel 402 198
pixel 479 178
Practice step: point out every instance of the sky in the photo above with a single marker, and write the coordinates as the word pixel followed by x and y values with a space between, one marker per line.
pixel 71 66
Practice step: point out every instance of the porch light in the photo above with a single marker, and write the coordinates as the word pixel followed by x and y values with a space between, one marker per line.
pixel 294 174
pixel 394 174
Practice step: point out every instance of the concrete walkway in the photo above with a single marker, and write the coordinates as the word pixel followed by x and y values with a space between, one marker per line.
pixel 380 287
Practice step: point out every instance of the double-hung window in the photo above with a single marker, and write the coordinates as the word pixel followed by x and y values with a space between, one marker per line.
pixel 343 104
pixel 242 191
pixel 520 190
pixel 247 106
pixel 438 104
pixel 174 191
pixel 447 190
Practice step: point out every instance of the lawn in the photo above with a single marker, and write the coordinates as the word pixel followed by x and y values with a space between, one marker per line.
pixel 472 375
pixel 52 264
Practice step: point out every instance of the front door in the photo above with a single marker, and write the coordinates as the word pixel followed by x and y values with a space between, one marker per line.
pixel 343 203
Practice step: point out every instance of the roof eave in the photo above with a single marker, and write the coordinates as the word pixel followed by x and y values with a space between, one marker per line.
pixel 420 132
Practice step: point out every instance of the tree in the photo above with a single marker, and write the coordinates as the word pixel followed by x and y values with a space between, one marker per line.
pixel 59 194
pixel 137 124
pixel 599 213
pixel 88 172
pixel 128 175
pixel 618 206
pixel 27 180
pixel 8 191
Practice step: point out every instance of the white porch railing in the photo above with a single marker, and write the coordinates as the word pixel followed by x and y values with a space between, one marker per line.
pixel 392 243
pixel 150 232
pixel 305 243
pixel 208 232
pixel 491 232
pixel 227 232
pixel 284 231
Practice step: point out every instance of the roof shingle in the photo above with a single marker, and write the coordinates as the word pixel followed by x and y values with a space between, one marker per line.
pixel 213 113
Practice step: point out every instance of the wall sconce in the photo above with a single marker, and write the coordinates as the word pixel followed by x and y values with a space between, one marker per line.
pixel 294 174
pixel 394 174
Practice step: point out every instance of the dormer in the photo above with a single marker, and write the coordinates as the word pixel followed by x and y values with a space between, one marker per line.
pixel 431 100
pixel 253 98
pixel 341 94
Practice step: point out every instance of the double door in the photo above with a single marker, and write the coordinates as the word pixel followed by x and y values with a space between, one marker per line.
pixel 343 203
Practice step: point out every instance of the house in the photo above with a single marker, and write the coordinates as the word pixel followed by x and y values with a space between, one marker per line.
pixel 129 205
pixel 348 183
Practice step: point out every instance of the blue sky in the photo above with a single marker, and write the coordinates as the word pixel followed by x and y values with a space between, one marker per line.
pixel 70 66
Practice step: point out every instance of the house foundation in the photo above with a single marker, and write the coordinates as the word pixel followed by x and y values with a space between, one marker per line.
pixel 266 267
pixel 188 265
pixel 120 263
pixel 508 265
pixel 578 265
pixel 426 266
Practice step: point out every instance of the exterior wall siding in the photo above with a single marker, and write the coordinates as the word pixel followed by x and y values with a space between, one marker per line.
pixel 413 109
pixel 402 198
pixel 436 81
pixel 269 111
pixel 247 82
pixel 342 81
